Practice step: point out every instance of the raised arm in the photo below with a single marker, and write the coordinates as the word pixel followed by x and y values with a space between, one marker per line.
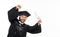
pixel 13 13
pixel 34 29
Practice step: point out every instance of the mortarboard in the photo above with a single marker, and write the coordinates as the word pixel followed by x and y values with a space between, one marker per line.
pixel 23 13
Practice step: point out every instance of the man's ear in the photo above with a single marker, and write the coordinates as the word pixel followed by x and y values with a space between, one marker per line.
pixel 19 18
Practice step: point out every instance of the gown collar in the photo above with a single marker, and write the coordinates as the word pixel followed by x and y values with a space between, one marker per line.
pixel 21 24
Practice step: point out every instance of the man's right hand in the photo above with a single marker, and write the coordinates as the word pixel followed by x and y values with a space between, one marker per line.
pixel 18 7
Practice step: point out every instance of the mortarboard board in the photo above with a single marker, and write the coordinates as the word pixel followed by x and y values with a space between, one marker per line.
pixel 23 13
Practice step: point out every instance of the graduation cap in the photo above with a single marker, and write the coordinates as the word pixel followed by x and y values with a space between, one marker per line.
pixel 24 13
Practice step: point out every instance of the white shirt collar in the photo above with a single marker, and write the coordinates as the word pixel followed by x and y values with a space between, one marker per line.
pixel 21 22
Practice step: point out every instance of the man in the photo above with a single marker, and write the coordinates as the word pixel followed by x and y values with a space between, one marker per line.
pixel 18 28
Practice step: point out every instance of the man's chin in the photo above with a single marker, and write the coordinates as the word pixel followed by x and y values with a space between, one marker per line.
pixel 22 21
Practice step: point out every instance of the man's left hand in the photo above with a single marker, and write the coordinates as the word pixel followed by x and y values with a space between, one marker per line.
pixel 39 21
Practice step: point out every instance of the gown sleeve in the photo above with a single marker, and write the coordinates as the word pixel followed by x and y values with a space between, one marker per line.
pixel 12 14
pixel 34 29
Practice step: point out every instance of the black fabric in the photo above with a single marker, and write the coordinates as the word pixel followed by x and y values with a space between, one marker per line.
pixel 15 30
pixel 24 13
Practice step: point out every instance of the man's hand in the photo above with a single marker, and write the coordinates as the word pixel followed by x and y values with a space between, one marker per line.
pixel 39 21
pixel 18 7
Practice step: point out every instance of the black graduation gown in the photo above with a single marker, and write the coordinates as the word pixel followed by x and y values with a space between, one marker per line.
pixel 15 30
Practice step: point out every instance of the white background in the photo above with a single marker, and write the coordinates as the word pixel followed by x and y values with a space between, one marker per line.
pixel 47 10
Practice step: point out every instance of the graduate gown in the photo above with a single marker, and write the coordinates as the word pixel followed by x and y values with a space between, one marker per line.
pixel 16 29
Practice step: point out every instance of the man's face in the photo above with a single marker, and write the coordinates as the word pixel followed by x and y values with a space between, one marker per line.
pixel 22 18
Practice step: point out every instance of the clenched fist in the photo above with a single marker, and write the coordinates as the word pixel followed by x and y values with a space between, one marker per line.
pixel 18 6
pixel 39 21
